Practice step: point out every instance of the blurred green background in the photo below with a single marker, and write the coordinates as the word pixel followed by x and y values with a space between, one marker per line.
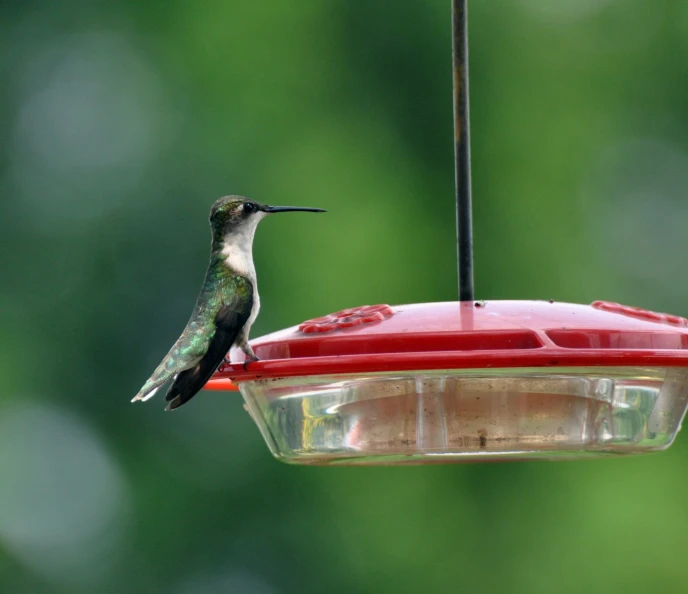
pixel 122 122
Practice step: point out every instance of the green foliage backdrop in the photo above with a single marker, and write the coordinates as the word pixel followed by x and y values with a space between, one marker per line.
pixel 122 122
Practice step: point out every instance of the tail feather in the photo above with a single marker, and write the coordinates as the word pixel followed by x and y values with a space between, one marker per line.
pixel 188 384
pixel 149 389
pixel 175 362
pixel 161 375
pixel 190 381
pixel 147 396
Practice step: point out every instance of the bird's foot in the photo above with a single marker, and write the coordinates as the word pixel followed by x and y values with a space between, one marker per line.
pixel 250 355
pixel 250 359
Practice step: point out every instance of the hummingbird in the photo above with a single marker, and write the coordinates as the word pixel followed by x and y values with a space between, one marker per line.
pixel 226 307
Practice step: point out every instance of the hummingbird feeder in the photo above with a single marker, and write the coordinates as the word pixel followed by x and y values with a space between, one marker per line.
pixel 467 380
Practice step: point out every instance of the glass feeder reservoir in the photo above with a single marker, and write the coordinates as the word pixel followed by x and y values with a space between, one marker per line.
pixel 467 381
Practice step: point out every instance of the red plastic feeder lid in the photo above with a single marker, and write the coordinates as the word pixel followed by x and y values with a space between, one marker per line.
pixel 453 335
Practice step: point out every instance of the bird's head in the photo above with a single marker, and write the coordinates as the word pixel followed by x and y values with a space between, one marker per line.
pixel 236 216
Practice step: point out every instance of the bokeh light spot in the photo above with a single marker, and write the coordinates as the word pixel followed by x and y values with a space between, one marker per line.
pixel 62 491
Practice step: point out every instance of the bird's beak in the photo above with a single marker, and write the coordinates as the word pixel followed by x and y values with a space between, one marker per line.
pixel 271 209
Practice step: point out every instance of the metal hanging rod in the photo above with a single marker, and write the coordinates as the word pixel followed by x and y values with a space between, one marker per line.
pixel 462 150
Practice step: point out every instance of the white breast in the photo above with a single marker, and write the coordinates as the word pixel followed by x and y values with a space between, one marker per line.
pixel 237 250
pixel 254 311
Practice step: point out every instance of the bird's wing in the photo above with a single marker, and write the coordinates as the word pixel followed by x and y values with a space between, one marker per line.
pixel 229 322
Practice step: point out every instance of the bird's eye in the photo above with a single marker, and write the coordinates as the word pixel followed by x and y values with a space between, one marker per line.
pixel 249 208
